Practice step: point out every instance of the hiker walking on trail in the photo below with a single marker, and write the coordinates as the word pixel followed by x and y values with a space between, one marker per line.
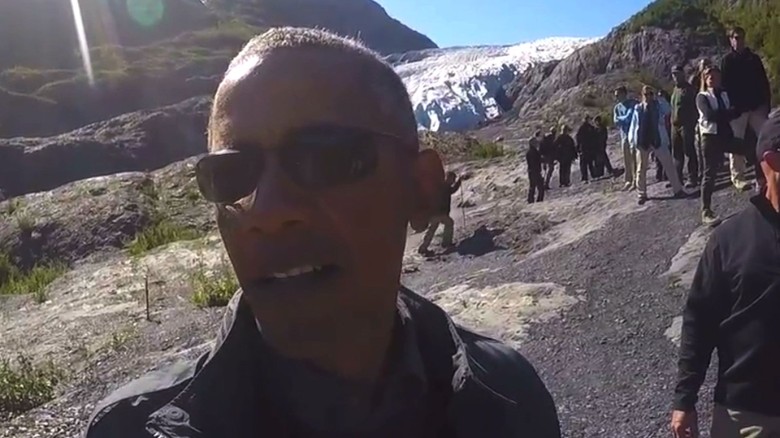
pixel 715 115
pixel 451 185
pixel 566 151
pixel 602 158
pixel 622 116
pixel 534 160
pixel 586 148
pixel 734 307
pixel 684 119
pixel 313 209
pixel 547 149
pixel 746 82
pixel 648 134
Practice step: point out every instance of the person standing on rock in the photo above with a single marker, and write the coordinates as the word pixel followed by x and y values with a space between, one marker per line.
pixel 313 203
pixel 451 185
pixel 566 151
pixel 586 148
pixel 648 134
pixel 534 161
pixel 602 137
pixel 696 83
pixel 684 118
pixel 547 149
pixel 734 307
pixel 715 114
pixel 746 82
pixel 622 116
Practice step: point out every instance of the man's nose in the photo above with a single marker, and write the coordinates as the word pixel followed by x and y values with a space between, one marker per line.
pixel 277 203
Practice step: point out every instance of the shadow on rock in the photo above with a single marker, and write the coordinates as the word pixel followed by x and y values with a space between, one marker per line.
pixel 480 243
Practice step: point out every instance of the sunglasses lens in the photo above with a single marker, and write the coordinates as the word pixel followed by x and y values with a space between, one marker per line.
pixel 326 157
pixel 227 176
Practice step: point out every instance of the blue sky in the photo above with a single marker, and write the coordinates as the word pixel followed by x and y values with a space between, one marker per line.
pixel 476 22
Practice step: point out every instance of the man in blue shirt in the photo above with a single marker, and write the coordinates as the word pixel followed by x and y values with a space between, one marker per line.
pixel 622 118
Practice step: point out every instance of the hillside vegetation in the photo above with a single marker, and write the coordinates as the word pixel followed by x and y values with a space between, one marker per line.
pixel 759 18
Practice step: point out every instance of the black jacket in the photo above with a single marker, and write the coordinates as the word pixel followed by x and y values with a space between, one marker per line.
pixel 601 137
pixel 734 307
pixel 547 148
pixel 446 197
pixel 565 148
pixel 485 387
pixel 586 139
pixel 745 79
pixel 533 158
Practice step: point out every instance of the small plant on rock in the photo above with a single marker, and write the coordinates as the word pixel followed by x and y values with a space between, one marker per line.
pixel 484 151
pixel 25 385
pixel 162 232
pixel 14 281
pixel 215 289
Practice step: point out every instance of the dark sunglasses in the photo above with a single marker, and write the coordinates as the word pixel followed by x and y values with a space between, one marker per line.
pixel 736 36
pixel 313 158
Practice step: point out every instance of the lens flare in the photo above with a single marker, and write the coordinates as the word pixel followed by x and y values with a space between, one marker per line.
pixel 147 13
pixel 83 46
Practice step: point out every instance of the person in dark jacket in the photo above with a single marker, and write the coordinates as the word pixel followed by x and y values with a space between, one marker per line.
pixel 547 149
pixel 602 158
pixel 684 118
pixel 451 185
pixel 313 208
pixel 746 81
pixel 566 152
pixel 534 161
pixel 586 148
pixel 734 307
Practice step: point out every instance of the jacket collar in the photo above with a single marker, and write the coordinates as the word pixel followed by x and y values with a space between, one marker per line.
pixel 225 374
pixel 766 210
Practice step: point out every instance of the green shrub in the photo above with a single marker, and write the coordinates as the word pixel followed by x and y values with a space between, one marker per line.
pixel 25 385
pixel 161 232
pixel 214 289
pixel 14 281
pixel 487 150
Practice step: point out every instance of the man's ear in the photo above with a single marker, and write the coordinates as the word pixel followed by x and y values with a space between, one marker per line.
pixel 429 182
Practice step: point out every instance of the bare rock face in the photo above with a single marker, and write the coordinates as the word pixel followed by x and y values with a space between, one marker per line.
pixel 139 141
pixel 73 221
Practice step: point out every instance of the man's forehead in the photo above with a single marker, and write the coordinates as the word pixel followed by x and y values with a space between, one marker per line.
pixel 268 96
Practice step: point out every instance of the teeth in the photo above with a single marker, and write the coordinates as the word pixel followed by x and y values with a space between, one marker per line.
pixel 297 271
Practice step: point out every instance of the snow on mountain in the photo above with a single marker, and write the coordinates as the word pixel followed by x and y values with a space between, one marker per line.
pixel 454 88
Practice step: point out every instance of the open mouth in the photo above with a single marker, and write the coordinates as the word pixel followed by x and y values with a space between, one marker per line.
pixel 300 273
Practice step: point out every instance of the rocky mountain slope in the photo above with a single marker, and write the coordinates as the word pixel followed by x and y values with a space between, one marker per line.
pixel 640 51
pixel 148 53
pixel 110 265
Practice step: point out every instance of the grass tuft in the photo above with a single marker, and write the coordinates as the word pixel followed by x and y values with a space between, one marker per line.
pixel 25 385
pixel 484 151
pixel 160 233
pixel 214 289
pixel 14 281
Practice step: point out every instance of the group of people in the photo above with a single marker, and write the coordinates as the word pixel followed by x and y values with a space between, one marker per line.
pixel 707 117
pixel 323 341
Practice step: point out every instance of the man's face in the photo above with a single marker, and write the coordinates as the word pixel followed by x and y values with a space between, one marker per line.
pixel 737 40
pixel 353 233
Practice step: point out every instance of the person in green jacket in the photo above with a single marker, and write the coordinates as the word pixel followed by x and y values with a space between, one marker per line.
pixel 684 118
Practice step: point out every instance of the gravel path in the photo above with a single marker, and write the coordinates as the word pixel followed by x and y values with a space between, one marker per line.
pixel 606 360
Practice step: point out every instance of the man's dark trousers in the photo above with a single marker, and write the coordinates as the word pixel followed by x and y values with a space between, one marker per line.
pixel 586 166
pixel 535 187
pixel 684 146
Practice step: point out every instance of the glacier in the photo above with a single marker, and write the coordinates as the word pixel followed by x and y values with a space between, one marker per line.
pixel 454 88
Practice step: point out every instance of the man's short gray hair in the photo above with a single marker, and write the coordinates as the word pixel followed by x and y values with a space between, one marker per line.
pixel 386 85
